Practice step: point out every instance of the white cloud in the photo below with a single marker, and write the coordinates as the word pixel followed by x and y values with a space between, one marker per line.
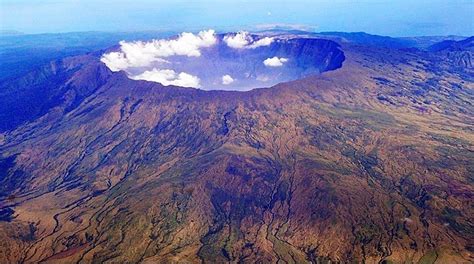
pixel 266 41
pixel 169 77
pixel 142 54
pixel 263 78
pixel 227 79
pixel 238 41
pixel 275 62
pixel 243 40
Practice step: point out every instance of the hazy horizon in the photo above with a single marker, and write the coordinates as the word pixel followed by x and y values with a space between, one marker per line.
pixel 398 19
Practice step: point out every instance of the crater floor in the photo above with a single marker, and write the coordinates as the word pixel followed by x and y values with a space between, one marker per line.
pixel 234 61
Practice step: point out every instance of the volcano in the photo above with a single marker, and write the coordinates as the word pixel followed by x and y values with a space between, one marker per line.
pixel 353 153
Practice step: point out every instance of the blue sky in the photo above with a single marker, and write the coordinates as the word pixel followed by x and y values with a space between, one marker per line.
pixel 394 18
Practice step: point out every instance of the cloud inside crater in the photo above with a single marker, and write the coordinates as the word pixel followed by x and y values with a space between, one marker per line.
pixel 227 79
pixel 169 77
pixel 243 40
pixel 275 62
pixel 140 54
pixel 262 78
pixel 183 60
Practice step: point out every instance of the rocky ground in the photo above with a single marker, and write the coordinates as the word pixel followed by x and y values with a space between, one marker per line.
pixel 372 162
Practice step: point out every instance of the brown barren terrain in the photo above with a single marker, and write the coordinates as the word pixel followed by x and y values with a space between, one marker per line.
pixel 372 162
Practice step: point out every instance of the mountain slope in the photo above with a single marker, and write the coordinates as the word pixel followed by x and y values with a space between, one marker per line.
pixel 64 82
pixel 370 162
pixel 460 53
